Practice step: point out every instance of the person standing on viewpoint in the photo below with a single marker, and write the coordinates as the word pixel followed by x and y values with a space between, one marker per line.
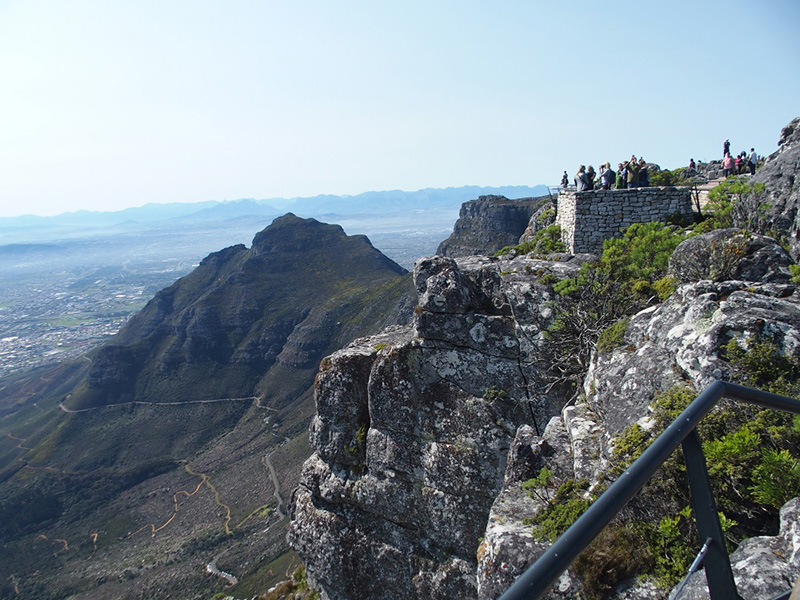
pixel 752 160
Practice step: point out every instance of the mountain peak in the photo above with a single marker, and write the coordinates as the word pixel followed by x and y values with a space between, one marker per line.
pixel 291 233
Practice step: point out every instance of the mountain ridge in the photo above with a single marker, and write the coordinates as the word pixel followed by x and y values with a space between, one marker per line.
pixel 155 454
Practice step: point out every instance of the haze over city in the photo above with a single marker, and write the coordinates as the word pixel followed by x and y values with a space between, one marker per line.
pixel 111 105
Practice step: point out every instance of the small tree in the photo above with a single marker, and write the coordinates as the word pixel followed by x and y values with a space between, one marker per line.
pixel 737 203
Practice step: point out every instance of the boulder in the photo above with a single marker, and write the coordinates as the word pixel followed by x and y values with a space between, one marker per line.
pixel 763 566
pixel 727 254
pixel 779 175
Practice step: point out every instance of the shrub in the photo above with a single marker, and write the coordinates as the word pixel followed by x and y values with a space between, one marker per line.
pixel 667 177
pixel 736 203
pixel 628 277
pixel 612 337
pixel 539 487
pixel 494 394
pixel 568 503
pixel 610 559
pixel 776 479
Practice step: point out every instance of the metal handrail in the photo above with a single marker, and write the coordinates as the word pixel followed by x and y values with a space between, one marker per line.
pixel 540 576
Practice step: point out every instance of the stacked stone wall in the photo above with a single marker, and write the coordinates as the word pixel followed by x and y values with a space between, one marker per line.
pixel 588 218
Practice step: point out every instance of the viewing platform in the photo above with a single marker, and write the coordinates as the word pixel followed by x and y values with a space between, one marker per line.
pixel 588 218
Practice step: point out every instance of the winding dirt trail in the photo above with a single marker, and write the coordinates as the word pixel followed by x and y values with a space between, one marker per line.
pixel 62 541
pixel 267 462
pixel 205 480
pixel 19 441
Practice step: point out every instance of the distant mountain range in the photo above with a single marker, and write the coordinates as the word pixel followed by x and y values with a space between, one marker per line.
pixel 324 205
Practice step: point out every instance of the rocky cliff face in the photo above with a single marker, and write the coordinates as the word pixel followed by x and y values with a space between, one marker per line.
pixel 487 224
pixel 424 435
pixel 413 428
pixel 779 175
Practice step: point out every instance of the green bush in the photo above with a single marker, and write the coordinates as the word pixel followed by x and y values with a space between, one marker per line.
pixel 494 394
pixel 629 276
pixel 568 503
pixel 545 241
pixel 539 487
pixel 794 270
pixel 612 336
pixel 776 479
pixel 667 177
pixel 611 558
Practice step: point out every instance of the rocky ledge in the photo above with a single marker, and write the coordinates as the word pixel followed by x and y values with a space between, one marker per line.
pixel 424 434
pixel 413 428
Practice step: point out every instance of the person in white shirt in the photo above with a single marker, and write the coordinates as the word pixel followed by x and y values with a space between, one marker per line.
pixel 751 162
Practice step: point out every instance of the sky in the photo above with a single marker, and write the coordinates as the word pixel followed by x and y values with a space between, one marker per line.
pixel 107 104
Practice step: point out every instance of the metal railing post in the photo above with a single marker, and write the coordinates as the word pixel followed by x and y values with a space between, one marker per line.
pixel 717 563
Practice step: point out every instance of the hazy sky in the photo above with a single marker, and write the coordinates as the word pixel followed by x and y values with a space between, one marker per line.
pixel 109 104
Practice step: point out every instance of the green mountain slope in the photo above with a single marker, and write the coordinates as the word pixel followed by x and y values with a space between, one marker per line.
pixel 125 474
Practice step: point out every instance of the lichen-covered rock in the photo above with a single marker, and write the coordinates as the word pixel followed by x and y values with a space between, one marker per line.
pixel 676 343
pixel 508 547
pixel 779 174
pixel 679 343
pixel 730 254
pixel 762 567
pixel 413 430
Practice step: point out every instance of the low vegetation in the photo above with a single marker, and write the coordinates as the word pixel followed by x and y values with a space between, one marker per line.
pixel 753 454
pixel 629 276
pixel 545 241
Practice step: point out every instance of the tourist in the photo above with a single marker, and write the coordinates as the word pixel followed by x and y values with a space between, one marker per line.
pixel 590 175
pixel 620 182
pixel 565 180
pixel 632 170
pixel 581 181
pixel 692 166
pixel 607 176
pixel 751 162
pixel 644 177
pixel 726 148
pixel 727 166
pixel 739 164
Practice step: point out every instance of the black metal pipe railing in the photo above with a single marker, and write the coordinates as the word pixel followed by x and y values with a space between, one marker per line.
pixel 540 576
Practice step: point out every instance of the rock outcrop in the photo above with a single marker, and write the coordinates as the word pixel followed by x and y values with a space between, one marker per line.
pixel 424 435
pixel 727 254
pixel 487 224
pixel 779 175
pixel 676 343
pixel 413 428
pixel 763 566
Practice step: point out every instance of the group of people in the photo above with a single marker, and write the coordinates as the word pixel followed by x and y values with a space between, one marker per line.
pixel 630 174
pixel 737 165
pixel 633 173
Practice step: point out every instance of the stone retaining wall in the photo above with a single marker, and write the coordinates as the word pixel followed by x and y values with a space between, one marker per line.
pixel 588 218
